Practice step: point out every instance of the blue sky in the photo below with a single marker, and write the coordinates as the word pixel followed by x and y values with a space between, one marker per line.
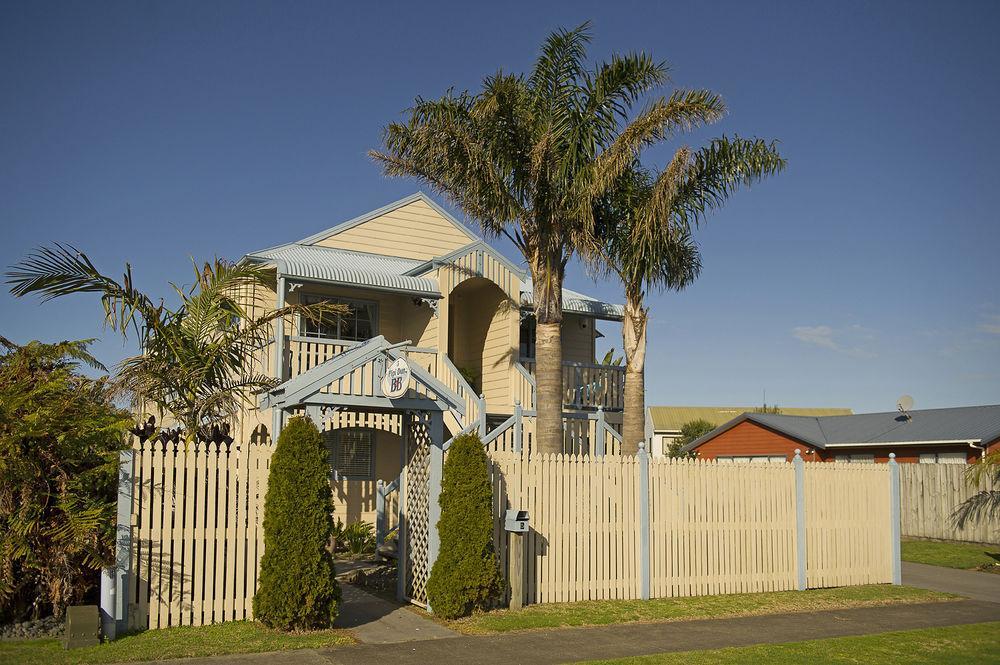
pixel 158 132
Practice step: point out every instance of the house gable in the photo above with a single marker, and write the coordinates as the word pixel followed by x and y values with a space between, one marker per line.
pixel 413 228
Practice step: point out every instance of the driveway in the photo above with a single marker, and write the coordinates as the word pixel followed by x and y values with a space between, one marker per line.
pixel 968 583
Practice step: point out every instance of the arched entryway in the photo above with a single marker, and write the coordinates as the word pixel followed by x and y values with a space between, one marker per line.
pixel 480 338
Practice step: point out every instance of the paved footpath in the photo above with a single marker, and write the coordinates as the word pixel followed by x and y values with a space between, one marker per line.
pixel 374 620
pixel 968 583
pixel 566 645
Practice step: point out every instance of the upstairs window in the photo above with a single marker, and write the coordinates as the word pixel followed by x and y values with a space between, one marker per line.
pixel 527 348
pixel 351 453
pixel 357 326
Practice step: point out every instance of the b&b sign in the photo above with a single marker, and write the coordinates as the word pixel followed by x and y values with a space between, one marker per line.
pixel 396 379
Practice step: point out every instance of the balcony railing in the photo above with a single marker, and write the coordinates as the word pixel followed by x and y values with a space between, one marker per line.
pixel 589 385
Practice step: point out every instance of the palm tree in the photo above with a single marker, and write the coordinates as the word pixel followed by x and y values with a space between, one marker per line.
pixel 984 505
pixel 200 361
pixel 527 157
pixel 643 235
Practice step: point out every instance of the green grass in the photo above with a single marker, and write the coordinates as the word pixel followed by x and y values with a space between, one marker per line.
pixel 181 642
pixel 952 555
pixel 603 612
pixel 975 643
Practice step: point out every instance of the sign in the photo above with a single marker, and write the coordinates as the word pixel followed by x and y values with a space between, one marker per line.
pixel 396 379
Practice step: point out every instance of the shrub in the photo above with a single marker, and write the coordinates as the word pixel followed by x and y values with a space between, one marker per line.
pixel 359 538
pixel 298 589
pixel 60 434
pixel 466 575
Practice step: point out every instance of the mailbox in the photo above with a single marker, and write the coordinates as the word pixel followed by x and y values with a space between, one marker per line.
pixel 516 521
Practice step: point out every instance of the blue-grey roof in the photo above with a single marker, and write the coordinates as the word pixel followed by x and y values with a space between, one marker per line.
pixel 578 303
pixel 978 424
pixel 340 266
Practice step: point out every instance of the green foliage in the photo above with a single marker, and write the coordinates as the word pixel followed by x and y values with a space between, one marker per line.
pixel 690 431
pixel 59 440
pixel 201 360
pixel 611 359
pixel 359 538
pixel 466 575
pixel 298 589
pixel 984 505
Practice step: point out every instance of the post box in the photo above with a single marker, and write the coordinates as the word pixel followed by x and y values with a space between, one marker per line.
pixel 516 521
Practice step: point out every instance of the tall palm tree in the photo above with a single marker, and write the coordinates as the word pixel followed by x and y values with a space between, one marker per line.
pixel 200 361
pixel 527 157
pixel 643 235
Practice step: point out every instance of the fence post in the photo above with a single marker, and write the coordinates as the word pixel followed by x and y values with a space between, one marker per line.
pixel 482 416
pixel 897 565
pixel 800 519
pixel 115 580
pixel 601 433
pixel 642 456
pixel 380 516
pixel 518 426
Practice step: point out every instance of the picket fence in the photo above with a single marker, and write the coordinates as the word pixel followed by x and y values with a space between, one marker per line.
pixel 602 527
pixel 706 528
pixel 197 532
pixel 930 493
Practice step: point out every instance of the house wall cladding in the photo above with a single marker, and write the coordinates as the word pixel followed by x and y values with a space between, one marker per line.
pixel 713 528
pixel 930 493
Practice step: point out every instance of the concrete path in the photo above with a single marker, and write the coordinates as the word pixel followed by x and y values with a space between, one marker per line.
pixel 574 644
pixel 374 620
pixel 968 583
pixel 567 645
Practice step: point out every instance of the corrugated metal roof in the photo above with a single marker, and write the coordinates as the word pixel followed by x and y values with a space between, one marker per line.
pixel 342 266
pixel 672 418
pixel 577 303
pixel 967 423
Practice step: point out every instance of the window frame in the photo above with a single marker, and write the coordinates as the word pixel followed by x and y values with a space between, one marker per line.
pixel 333 453
pixel 309 298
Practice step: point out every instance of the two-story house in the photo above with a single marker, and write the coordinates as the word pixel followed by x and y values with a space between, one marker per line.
pixel 410 272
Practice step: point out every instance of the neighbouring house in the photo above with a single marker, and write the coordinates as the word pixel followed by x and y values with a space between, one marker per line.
pixel 420 284
pixel 950 436
pixel 664 423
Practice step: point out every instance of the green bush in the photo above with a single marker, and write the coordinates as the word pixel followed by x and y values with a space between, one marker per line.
pixel 359 538
pixel 298 589
pixel 466 575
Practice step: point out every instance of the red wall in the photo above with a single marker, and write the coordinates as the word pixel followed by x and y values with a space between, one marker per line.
pixel 750 438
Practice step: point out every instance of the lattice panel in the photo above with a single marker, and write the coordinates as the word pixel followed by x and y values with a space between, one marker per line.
pixel 417 477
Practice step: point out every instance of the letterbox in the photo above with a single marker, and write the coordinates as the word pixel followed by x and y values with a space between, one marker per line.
pixel 516 521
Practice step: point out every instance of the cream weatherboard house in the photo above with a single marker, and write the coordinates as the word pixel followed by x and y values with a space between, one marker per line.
pixel 420 285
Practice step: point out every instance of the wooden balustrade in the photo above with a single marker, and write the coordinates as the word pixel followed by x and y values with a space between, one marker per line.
pixel 589 384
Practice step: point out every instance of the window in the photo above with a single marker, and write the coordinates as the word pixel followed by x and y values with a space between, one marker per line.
pixel 943 458
pixel 527 348
pixel 351 453
pixel 357 326
pixel 752 459
pixel 857 458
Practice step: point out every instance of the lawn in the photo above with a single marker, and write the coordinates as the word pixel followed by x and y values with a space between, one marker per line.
pixel 603 612
pixel 181 642
pixel 953 555
pixel 975 643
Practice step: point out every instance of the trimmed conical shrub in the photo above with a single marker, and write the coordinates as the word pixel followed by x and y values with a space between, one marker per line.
pixel 298 589
pixel 466 575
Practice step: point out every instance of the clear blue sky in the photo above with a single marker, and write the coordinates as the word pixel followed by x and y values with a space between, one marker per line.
pixel 155 132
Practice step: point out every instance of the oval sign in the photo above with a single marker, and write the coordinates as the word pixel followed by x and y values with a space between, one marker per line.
pixel 396 379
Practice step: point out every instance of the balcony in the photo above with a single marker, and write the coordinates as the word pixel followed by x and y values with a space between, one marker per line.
pixel 587 385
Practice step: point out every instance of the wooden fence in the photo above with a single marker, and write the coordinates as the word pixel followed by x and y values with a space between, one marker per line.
pixel 196 533
pixel 929 494
pixel 711 528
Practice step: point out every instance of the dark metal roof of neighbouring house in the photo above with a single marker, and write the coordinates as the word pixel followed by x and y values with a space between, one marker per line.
pixel 978 424
pixel 672 418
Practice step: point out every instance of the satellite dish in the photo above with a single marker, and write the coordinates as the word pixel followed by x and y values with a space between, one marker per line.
pixel 904 404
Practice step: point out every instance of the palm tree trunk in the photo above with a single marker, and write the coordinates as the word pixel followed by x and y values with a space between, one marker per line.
pixel 547 289
pixel 634 343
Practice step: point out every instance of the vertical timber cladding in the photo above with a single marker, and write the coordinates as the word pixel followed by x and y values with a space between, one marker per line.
pixel 417 509
pixel 197 532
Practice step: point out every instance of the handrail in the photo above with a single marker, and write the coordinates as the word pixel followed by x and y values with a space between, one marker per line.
pixel 525 373
pixel 465 430
pixel 499 429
